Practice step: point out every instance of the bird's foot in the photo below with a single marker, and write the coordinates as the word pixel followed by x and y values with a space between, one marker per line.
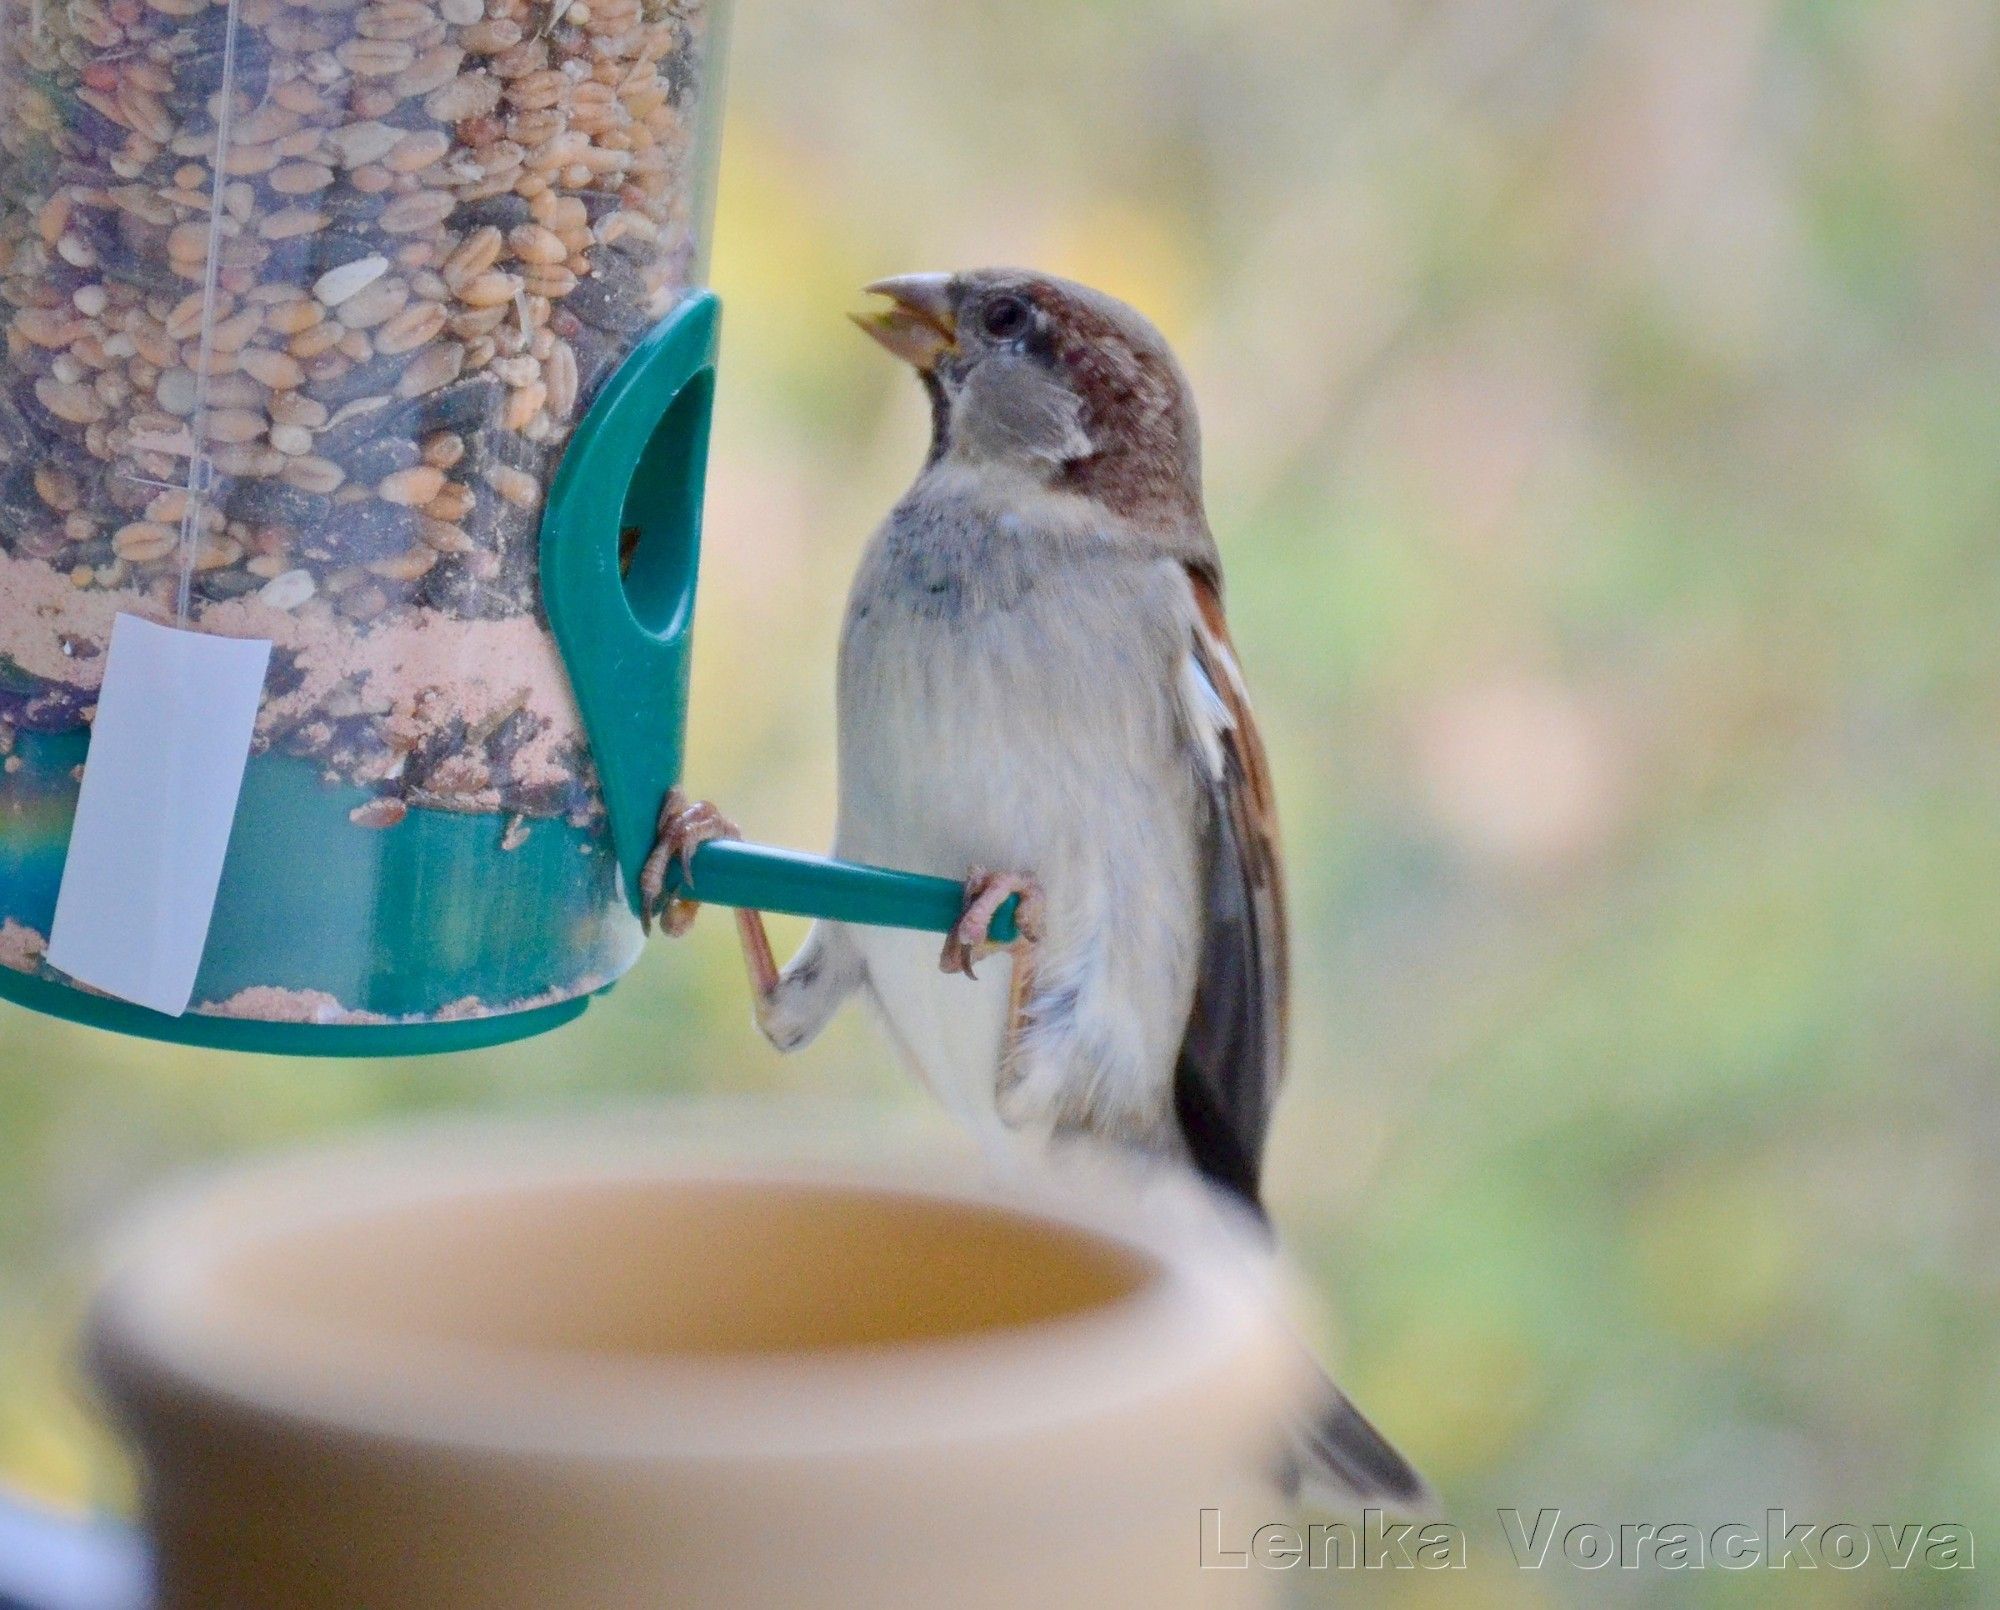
pixel 685 825
pixel 985 893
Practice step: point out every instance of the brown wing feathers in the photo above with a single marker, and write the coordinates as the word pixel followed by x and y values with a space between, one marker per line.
pixel 1232 1056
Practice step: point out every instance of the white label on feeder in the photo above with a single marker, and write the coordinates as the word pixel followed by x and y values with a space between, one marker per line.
pixel 167 750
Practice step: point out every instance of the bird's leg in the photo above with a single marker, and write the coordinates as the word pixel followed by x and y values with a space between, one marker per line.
pixel 985 893
pixel 686 825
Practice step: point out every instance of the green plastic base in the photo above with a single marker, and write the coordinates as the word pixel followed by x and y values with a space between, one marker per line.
pixel 284 1039
pixel 412 924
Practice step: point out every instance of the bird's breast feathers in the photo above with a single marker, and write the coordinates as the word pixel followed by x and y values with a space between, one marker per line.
pixel 1016 698
pixel 1004 683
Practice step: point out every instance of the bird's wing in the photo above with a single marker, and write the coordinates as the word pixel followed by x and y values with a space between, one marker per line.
pixel 1233 1055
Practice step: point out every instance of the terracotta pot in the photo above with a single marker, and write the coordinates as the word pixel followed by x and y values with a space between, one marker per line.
pixel 488 1369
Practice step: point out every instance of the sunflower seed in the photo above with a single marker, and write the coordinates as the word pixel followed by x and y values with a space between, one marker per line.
pixel 336 285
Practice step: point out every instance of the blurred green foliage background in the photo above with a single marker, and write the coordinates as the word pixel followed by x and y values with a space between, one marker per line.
pixel 1603 417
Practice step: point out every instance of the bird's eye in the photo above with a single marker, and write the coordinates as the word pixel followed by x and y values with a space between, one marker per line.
pixel 1004 317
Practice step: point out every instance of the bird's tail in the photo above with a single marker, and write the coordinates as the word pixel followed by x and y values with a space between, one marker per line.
pixel 1338 1461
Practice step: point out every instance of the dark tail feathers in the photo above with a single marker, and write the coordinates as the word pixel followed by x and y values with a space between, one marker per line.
pixel 1339 1461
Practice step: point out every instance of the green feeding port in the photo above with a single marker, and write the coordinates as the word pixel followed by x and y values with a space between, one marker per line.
pixel 664 503
pixel 621 545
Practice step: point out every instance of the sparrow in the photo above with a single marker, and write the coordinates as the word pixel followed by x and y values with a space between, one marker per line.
pixel 1038 694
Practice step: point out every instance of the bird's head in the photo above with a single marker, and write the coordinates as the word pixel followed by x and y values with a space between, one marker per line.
pixel 1036 375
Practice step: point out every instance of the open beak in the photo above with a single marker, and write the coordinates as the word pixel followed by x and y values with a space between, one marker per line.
pixel 921 326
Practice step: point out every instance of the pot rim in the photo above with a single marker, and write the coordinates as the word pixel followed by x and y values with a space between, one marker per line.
pixel 1196 1336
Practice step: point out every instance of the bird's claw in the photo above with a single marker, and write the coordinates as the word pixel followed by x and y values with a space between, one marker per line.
pixel 985 893
pixel 685 825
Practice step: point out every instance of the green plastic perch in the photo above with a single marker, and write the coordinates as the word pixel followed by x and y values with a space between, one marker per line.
pixel 729 872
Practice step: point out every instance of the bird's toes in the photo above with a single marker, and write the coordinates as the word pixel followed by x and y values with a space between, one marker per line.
pixel 653 885
pixel 958 953
pixel 986 892
pixel 1028 909
pixel 684 826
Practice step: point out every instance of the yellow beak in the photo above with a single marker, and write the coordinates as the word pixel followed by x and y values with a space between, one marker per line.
pixel 921 325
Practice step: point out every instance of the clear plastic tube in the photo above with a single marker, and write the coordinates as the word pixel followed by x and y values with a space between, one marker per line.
pixel 301 301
